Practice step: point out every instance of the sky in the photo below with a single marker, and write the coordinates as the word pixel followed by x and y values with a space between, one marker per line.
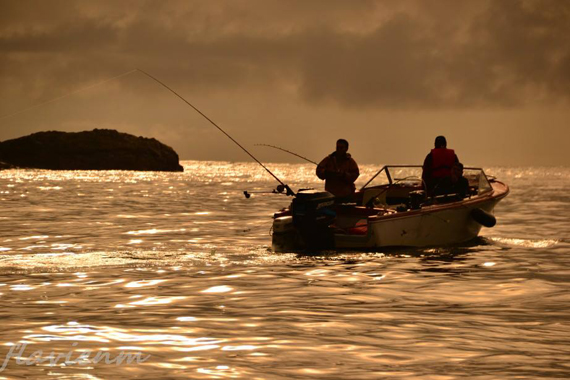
pixel 388 76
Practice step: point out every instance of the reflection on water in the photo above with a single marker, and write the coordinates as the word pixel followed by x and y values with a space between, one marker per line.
pixel 178 266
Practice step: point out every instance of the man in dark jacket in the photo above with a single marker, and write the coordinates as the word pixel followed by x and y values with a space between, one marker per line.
pixel 438 164
pixel 455 184
pixel 339 171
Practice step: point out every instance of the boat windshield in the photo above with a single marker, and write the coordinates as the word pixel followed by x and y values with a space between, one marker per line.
pixel 391 174
pixel 477 179
pixel 411 175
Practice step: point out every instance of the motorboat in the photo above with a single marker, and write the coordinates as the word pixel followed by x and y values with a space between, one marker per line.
pixel 390 210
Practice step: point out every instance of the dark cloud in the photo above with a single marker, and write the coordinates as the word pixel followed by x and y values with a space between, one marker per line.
pixel 356 54
pixel 511 53
pixel 526 45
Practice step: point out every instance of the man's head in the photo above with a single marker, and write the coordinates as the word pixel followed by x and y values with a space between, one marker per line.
pixel 440 142
pixel 341 146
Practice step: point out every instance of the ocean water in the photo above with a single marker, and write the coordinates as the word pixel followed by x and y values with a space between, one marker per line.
pixel 178 269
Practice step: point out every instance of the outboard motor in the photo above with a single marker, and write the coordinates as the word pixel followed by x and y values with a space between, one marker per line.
pixel 313 214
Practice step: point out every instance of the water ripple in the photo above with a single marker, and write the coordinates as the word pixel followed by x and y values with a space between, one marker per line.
pixel 178 266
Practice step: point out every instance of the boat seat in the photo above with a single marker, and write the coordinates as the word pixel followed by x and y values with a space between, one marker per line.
pixel 356 211
pixel 360 228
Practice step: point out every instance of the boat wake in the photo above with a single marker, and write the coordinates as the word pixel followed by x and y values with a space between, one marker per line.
pixel 523 243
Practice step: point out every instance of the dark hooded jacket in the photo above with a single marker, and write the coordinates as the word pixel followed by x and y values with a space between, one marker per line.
pixel 339 174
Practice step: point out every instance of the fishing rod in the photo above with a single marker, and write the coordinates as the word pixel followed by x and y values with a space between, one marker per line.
pixel 282 187
pixel 286 187
pixel 287 151
pixel 278 190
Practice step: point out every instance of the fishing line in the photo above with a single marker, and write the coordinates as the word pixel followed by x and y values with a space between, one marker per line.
pixel 287 151
pixel 289 191
pixel 69 94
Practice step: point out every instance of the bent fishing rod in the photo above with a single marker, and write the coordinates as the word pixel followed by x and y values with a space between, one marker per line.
pixel 285 187
pixel 287 151
pixel 282 187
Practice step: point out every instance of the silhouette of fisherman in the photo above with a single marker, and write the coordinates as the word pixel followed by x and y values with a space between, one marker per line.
pixel 438 165
pixel 455 184
pixel 339 170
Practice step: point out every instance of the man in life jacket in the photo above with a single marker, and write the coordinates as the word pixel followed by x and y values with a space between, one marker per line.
pixel 438 164
pixel 339 170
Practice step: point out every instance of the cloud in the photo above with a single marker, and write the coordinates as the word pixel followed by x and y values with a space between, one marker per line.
pixel 375 54
pixel 511 53
pixel 526 46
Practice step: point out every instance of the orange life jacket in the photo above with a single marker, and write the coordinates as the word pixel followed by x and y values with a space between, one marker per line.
pixel 442 161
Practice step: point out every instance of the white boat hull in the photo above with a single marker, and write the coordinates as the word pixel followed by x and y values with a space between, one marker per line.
pixel 429 227
pixel 438 223
pixel 425 228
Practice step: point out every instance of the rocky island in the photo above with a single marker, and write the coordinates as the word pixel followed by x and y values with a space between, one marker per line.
pixel 99 149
